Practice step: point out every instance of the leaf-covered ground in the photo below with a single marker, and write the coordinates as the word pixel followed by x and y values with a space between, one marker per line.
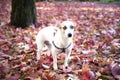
pixel 96 52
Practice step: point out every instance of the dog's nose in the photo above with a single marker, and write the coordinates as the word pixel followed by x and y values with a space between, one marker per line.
pixel 69 35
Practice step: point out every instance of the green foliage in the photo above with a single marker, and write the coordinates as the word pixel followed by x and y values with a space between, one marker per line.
pixel 107 1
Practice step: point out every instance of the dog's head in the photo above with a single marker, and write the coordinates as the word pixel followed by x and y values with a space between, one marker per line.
pixel 67 28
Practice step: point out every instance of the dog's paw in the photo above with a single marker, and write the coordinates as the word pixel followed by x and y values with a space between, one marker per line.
pixel 55 67
pixel 65 64
pixel 67 69
pixel 38 58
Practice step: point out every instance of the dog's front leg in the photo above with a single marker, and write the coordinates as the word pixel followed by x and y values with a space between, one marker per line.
pixel 67 57
pixel 38 55
pixel 54 60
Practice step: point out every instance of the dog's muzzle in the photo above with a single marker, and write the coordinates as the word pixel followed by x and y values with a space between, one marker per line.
pixel 69 35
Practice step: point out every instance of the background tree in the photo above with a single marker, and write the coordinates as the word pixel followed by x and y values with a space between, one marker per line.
pixel 23 13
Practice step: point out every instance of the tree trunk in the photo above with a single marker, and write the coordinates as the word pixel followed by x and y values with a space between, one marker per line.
pixel 23 13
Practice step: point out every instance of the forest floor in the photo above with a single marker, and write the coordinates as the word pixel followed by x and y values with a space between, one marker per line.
pixel 96 51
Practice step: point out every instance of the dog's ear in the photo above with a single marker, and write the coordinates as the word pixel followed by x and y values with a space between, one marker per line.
pixel 74 23
pixel 59 26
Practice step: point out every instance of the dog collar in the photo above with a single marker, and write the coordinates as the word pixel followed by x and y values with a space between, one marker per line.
pixel 63 49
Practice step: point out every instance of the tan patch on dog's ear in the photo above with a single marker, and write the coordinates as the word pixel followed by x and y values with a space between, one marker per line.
pixel 75 24
pixel 60 26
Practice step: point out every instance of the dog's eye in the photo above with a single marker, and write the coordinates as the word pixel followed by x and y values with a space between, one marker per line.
pixel 64 27
pixel 71 27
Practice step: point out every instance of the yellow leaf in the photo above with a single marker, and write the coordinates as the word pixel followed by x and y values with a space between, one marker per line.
pixel 94 31
pixel 85 67
pixel 39 78
pixel 104 31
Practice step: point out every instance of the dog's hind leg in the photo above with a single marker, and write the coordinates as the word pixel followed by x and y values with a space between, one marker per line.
pixel 54 54
pixel 49 47
pixel 39 49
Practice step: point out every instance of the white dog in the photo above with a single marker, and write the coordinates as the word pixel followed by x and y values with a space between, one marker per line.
pixel 58 39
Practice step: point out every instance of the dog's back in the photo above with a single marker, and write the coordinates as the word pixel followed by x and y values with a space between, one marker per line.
pixel 46 33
